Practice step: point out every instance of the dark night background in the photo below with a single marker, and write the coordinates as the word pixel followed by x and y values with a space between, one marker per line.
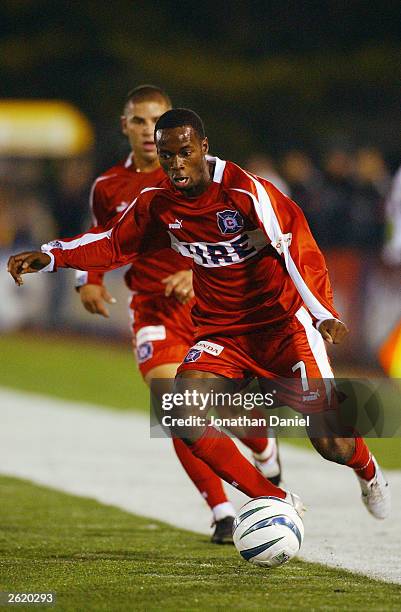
pixel 265 76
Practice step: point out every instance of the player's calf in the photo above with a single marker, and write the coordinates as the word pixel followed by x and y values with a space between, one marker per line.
pixel 338 450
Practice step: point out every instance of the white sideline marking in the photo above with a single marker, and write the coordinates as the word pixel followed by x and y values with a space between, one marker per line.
pixel 108 455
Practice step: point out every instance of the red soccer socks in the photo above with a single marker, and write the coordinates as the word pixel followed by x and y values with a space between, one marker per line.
pixel 205 480
pixel 218 450
pixel 361 461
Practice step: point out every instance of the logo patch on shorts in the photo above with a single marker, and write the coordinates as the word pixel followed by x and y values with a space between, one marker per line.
pixel 230 221
pixel 192 355
pixel 209 347
pixel 312 396
pixel 144 351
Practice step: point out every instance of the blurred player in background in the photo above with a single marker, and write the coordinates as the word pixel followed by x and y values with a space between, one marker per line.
pixel 162 293
pixel 264 301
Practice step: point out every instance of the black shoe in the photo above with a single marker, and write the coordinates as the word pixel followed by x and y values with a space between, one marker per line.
pixel 223 532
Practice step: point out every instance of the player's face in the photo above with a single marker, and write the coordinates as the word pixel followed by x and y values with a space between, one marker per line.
pixel 182 157
pixel 138 124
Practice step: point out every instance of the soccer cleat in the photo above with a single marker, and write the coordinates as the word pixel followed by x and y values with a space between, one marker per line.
pixel 223 532
pixel 376 493
pixel 269 467
pixel 295 501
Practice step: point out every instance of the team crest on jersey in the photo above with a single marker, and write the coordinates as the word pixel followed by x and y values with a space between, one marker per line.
pixel 192 355
pixel 144 351
pixel 229 221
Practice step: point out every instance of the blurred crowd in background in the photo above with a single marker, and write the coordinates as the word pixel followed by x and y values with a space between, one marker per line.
pixel 293 93
pixel 343 196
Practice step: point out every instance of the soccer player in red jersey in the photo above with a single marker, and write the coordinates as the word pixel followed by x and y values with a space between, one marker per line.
pixel 161 286
pixel 263 297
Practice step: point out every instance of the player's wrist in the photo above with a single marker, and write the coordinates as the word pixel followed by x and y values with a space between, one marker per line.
pixel 318 322
pixel 51 266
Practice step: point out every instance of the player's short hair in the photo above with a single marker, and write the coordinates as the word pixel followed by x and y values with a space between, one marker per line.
pixel 178 117
pixel 146 92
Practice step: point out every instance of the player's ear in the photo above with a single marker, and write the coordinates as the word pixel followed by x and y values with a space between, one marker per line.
pixel 123 124
pixel 205 146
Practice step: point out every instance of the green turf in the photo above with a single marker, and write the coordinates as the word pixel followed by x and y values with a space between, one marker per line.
pixel 74 369
pixel 97 557
pixel 101 373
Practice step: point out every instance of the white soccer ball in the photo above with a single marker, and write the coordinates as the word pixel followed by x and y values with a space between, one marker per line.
pixel 268 531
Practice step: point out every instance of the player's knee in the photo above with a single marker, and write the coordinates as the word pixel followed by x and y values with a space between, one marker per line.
pixel 338 450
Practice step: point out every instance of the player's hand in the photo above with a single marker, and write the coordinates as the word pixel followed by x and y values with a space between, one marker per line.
pixel 333 331
pixel 179 284
pixel 24 263
pixel 94 297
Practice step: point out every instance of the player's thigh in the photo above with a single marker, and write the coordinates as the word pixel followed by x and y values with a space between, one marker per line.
pixel 164 370
pixel 297 351
pixel 297 368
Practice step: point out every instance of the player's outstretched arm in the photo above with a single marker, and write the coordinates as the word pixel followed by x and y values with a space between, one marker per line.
pixel 25 263
pixel 333 330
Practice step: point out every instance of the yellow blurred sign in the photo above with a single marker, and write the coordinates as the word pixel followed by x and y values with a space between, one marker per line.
pixel 43 128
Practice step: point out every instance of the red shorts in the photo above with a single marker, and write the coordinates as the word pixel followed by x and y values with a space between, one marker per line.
pixel 295 352
pixel 162 330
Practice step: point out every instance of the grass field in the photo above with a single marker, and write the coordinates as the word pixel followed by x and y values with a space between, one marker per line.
pixel 96 557
pixel 103 373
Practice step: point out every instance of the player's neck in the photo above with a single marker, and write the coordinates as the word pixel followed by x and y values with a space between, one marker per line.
pixel 145 166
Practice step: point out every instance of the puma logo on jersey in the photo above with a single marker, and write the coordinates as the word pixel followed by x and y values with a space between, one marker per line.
pixel 176 225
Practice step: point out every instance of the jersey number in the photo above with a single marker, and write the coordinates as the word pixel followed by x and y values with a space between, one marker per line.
pixel 304 380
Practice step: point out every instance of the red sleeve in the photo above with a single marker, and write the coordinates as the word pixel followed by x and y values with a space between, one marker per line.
pixel 103 250
pixel 288 231
pixel 98 207
pixel 102 213
pixel 103 216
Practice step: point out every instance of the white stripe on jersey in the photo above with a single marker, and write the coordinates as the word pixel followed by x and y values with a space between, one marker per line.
pixel 266 214
pixel 226 253
pixel 318 349
pixel 315 342
pixel 72 244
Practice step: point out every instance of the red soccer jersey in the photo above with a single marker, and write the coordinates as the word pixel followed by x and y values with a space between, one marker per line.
pixel 255 259
pixel 111 195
